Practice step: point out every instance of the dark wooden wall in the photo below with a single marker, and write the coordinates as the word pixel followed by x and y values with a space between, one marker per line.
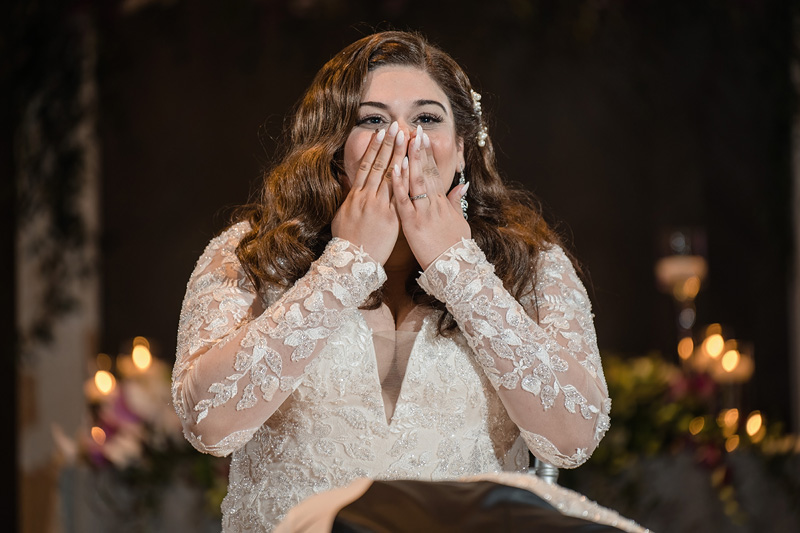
pixel 626 118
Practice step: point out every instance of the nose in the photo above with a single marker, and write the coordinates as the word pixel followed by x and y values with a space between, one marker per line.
pixel 404 126
pixel 407 128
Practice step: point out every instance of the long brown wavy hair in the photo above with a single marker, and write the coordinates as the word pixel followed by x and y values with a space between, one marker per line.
pixel 291 221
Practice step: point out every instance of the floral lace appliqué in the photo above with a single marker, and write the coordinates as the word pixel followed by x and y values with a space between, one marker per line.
pixel 555 360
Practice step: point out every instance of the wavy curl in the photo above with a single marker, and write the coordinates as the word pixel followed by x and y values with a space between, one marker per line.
pixel 291 221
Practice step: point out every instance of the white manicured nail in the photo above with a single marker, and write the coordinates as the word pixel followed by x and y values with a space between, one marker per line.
pixel 381 134
pixel 464 190
pixel 393 128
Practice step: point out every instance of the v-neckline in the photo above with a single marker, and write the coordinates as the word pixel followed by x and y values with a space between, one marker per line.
pixel 390 421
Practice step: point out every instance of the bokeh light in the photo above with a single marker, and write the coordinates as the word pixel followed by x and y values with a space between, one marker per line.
pixel 696 425
pixel 104 381
pixel 103 361
pixel 685 348
pixel 141 357
pixel 714 344
pixel 141 341
pixel 691 287
pixel 98 435
pixel 754 423
pixel 730 360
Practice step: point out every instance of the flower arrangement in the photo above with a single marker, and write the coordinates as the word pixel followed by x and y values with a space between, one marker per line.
pixel 661 410
pixel 134 439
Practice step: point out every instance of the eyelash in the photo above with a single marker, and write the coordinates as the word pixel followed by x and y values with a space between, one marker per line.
pixel 371 119
pixel 429 118
pixel 422 118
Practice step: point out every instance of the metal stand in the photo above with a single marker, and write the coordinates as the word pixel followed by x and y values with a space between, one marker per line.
pixel 546 471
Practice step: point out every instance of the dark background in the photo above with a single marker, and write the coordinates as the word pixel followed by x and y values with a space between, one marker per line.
pixel 626 118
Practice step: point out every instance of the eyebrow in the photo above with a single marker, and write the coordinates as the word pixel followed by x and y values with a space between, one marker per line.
pixel 417 103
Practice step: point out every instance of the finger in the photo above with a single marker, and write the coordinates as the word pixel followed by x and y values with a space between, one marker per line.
pixel 400 198
pixel 385 188
pixel 368 159
pixel 398 154
pixel 416 179
pixel 456 195
pixel 430 172
pixel 381 163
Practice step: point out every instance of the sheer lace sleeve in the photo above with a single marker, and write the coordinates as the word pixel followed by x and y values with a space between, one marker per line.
pixel 548 374
pixel 233 369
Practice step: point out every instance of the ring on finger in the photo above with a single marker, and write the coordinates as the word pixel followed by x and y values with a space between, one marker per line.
pixel 419 196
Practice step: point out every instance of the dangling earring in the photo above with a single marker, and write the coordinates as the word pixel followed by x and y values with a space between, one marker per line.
pixel 461 181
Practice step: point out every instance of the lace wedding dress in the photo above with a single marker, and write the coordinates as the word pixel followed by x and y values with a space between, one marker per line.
pixel 308 397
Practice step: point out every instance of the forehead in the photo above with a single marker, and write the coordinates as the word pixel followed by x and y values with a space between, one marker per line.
pixel 400 84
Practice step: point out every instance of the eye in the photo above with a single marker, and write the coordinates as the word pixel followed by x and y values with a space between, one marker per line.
pixel 370 120
pixel 428 118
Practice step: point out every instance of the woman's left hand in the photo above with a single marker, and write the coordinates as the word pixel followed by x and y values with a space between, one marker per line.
pixel 435 222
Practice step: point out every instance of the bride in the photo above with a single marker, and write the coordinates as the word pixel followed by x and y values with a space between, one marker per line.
pixel 389 308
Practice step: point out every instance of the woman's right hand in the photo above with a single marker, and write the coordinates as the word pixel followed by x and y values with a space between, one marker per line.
pixel 367 217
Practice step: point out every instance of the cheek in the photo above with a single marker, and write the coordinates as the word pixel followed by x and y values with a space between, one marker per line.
pixel 354 149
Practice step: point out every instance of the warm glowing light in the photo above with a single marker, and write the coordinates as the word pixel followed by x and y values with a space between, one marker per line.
pixel 731 417
pixel 104 381
pixel 141 341
pixel 754 423
pixel 685 347
pixel 98 435
pixel 103 361
pixel 714 345
pixel 713 329
pixel 141 357
pixel 732 442
pixel 760 434
pixel 730 360
pixel 691 287
pixel 696 425
pixel 728 420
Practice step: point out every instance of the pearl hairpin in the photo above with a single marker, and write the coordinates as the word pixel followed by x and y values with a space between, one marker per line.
pixel 476 107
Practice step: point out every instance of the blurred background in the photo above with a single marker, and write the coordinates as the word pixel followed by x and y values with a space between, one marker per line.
pixel 658 135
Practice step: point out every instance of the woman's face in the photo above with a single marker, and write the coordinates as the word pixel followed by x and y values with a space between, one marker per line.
pixel 409 96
